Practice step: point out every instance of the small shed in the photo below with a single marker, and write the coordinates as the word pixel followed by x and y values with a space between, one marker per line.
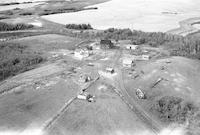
pixel 127 62
pixel 141 57
pixel 86 96
pixel 110 70
pixel 140 94
pixel 132 47
pixel 145 57
pixel 84 78
pixel 81 53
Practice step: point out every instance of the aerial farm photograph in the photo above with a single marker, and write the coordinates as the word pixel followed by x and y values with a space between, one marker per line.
pixel 99 67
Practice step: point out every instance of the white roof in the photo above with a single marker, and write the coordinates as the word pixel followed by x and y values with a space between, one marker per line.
pixel 132 45
pixel 127 61
pixel 147 56
pixel 109 69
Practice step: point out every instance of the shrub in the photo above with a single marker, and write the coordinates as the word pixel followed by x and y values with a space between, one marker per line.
pixel 79 26
pixel 173 109
pixel 26 13
pixel 3 17
pixel 11 27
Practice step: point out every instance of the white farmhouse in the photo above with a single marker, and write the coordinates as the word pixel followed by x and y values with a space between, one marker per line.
pixel 132 47
pixel 128 62
pixel 145 57
pixel 81 53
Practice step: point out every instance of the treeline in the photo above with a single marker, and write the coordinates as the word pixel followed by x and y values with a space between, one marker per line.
pixel 12 27
pixel 14 3
pixel 15 58
pixel 57 11
pixel 178 45
pixel 79 26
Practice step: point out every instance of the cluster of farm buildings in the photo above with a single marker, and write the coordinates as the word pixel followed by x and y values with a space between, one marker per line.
pixel 127 61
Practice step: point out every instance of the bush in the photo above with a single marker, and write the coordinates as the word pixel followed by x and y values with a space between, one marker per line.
pixel 173 109
pixel 11 27
pixel 79 26
pixel 3 17
pixel 15 58
pixel 26 13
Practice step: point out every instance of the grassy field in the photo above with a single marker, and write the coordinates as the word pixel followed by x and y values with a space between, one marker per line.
pixel 30 99
pixel 180 80
pixel 28 108
pixel 49 42
pixel 108 115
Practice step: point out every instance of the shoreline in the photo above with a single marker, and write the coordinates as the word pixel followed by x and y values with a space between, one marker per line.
pixel 186 27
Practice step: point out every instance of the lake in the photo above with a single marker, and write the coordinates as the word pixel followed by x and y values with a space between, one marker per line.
pixel 146 15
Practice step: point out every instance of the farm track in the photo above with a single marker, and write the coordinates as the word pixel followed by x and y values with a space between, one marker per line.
pixel 122 92
pixel 52 120
pixel 132 103
pixel 49 123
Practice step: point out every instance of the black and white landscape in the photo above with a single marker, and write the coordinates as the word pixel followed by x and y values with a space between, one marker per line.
pixel 99 67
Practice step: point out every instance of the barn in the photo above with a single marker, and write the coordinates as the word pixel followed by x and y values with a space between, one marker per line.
pixel 106 44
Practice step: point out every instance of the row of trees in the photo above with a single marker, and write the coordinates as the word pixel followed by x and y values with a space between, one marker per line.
pixel 178 45
pixel 15 58
pixel 79 26
pixel 12 27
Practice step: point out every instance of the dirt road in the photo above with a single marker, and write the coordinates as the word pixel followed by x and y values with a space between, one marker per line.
pixel 130 101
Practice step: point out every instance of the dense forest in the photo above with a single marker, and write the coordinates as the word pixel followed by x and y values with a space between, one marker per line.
pixel 178 45
pixel 12 27
pixel 79 26
pixel 15 58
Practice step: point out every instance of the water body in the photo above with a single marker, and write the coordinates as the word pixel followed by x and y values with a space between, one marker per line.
pixel 196 26
pixel 146 15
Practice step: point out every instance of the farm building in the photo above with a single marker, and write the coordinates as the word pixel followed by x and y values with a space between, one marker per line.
pixel 84 78
pixel 132 47
pixel 106 44
pixel 110 70
pixel 82 53
pixel 141 57
pixel 86 96
pixel 145 57
pixel 140 94
pixel 128 62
